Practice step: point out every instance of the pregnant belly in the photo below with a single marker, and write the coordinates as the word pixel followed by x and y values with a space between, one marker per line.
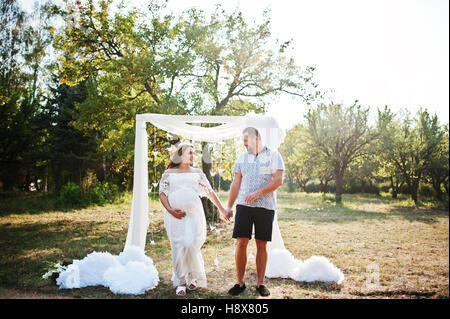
pixel 185 199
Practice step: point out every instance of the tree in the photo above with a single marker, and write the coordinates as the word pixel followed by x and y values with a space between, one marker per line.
pixel 12 88
pixel 341 134
pixel 299 160
pixel 388 128
pixel 438 169
pixel 409 144
pixel 20 97
pixel 237 62
pixel 68 152
pixel 361 176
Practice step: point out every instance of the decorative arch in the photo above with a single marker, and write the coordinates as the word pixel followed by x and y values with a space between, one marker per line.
pixel 231 127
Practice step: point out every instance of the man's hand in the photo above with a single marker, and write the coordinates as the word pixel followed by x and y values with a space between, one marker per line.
pixel 252 197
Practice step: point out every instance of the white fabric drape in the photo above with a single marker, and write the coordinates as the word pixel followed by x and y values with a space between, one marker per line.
pixel 271 134
pixel 137 229
pixel 279 259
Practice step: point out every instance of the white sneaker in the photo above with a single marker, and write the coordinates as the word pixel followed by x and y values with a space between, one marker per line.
pixel 192 285
pixel 181 291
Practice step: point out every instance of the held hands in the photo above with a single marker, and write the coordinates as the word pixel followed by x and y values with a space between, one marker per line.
pixel 227 213
pixel 177 213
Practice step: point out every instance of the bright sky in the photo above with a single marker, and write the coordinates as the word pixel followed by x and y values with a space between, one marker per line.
pixel 393 52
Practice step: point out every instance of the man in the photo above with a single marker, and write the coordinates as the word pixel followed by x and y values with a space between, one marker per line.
pixel 257 174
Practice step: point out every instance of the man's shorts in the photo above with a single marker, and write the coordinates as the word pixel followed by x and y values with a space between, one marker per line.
pixel 246 216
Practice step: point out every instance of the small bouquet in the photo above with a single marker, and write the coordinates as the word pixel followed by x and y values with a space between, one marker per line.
pixel 56 268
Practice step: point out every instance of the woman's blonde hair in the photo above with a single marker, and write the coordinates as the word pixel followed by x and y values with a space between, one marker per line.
pixel 175 156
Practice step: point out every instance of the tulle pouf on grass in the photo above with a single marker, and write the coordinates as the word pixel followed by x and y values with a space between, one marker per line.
pixel 131 272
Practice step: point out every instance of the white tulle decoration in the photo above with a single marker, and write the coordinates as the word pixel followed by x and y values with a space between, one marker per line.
pixel 281 263
pixel 131 272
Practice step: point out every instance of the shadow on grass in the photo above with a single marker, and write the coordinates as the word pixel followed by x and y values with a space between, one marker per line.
pixel 28 248
pixel 394 293
pixel 329 287
pixel 38 203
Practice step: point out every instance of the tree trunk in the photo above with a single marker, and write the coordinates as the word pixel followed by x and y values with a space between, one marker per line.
pixel 211 211
pixel 290 185
pixel 446 187
pixel 437 188
pixel 339 185
pixel 394 188
pixel 413 189
pixel 323 185
pixel 57 178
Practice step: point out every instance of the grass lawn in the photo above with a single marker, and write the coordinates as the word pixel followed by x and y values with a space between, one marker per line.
pixel 386 248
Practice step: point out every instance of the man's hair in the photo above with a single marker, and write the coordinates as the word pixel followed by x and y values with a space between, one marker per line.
pixel 251 131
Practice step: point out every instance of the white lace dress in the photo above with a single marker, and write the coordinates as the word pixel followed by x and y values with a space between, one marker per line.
pixel 188 234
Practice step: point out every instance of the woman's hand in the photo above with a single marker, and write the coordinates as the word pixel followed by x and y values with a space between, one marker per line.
pixel 226 213
pixel 177 213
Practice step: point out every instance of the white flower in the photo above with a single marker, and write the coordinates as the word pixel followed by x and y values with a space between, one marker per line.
pixel 57 268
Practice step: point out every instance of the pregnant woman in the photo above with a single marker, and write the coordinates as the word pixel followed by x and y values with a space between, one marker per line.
pixel 180 189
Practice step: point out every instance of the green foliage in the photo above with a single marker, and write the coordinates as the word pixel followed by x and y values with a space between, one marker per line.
pixel 104 193
pixel 71 194
pixel 408 146
pixel 301 162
